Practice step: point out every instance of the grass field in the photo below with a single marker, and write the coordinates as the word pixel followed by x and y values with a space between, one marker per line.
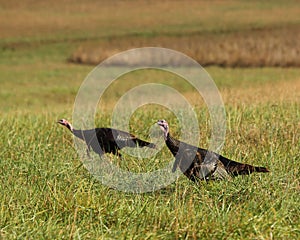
pixel 46 193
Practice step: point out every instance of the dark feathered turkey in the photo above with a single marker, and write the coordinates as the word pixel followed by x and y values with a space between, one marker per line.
pixel 200 163
pixel 106 140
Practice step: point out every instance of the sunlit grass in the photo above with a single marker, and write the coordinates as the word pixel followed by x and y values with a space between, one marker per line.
pixel 47 193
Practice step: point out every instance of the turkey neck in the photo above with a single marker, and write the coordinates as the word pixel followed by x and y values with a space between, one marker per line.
pixel 78 133
pixel 173 144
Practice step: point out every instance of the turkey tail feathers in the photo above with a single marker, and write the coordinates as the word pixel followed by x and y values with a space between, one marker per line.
pixel 237 168
pixel 261 169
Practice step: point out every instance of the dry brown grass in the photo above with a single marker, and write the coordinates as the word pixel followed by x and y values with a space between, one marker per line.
pixel 262 94
pixel 270 93
pixel 284 91
pixel 50 19
pixel 253 48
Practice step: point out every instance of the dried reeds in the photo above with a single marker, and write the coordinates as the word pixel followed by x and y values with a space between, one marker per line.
pixel 251 48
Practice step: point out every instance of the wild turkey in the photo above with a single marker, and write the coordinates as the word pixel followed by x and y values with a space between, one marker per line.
pixel 200 163
pixel 108 139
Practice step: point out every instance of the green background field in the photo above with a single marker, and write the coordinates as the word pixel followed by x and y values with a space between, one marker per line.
pixel 46 193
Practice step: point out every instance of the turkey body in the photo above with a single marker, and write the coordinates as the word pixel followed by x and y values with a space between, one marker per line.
pixel 199 163
pixel 106 140
pixel 109 140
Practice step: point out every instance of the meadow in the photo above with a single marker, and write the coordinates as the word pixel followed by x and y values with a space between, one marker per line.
pixel 47 193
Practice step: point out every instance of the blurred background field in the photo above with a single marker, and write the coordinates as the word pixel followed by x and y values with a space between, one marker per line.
pixel 40 43
pixel 252 51
pixel 231 33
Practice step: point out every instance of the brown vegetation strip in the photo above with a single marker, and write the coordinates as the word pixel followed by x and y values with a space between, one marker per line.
pixel 268 93
pixel 251 48
pixel 272 94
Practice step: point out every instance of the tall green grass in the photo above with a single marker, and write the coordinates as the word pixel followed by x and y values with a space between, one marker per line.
pixel 47 193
